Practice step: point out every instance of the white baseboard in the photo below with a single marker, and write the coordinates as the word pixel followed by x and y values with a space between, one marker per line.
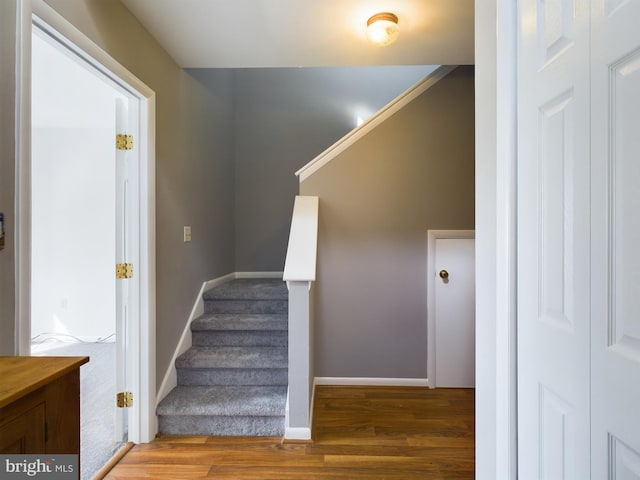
pixel 372 381
pixel 297 433
pixel 170 380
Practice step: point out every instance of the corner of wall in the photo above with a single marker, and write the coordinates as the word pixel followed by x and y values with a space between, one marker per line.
pixel 8 39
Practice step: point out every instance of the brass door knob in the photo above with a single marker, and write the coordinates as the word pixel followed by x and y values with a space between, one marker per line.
pixel 444 274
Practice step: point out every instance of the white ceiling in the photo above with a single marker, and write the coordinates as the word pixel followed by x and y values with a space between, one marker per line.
pixel 302 33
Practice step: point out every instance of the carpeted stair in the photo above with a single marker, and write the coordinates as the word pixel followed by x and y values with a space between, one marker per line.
pixel 233 380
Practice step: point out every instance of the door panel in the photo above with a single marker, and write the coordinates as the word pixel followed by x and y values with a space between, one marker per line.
pixel 127 234
pixel 615 239
pixel 585 240
pixel 553 248
pixel 455 312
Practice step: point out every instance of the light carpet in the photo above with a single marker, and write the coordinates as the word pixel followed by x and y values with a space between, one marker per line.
pixel 97 400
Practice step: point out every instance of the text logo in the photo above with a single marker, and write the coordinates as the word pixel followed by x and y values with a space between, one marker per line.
pixel 51 467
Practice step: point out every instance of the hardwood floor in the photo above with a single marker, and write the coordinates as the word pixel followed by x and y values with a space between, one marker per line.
pixel 359 433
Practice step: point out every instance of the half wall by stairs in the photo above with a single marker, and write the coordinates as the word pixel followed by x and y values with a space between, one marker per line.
pixel 233 380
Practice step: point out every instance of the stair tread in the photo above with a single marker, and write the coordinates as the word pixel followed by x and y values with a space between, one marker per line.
pixel 249 289
pixel 233 357
pixel 225 401
pixel 248 322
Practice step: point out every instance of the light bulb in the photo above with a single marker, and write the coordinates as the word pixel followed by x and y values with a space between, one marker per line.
pixel 382 29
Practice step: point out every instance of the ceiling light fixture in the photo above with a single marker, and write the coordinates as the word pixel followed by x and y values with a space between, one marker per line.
pixel 382 28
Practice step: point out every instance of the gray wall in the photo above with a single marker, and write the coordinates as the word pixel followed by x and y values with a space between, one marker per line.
pixel 413 173
pixel 7 172
pixel 194 162
pixel 283 119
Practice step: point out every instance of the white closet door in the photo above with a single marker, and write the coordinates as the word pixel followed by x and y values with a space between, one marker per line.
pixel 455 312
pixel 615 239
pixel 553 240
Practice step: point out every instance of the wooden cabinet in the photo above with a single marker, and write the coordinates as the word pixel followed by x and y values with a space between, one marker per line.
pixel 24 431
pixel 40 404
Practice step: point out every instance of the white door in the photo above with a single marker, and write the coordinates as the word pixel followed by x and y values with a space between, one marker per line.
pixel 454 298
pixel 553 240
pixel 578 198
pixel 615 239
pixel 126 254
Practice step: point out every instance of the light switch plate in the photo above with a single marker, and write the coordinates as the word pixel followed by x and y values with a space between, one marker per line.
pixel 187 234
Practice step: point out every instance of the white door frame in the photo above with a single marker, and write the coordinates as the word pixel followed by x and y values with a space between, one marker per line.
pixel 144 427
pixel 432 236
pixel 495 80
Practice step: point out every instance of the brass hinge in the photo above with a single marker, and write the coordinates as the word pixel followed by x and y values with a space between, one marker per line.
pixel 124 399
pixel 124 270
pixel 124 142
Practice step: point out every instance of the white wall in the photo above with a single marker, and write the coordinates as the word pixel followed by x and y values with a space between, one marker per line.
pixel 73 195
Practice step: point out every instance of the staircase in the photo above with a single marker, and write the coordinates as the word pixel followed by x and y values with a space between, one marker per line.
pixel 233 380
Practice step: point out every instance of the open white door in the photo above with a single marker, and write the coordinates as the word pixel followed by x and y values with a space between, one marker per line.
pixel 615 239
pixel 127 257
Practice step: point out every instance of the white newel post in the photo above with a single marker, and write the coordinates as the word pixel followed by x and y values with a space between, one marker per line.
pixel 300 274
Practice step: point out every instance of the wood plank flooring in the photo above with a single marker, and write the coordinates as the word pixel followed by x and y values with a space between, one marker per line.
pixel 359 433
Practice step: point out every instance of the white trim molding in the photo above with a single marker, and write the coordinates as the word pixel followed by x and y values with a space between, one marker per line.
pixel 496 375
pixel 380 117
pixel 372 381
pixel 432 236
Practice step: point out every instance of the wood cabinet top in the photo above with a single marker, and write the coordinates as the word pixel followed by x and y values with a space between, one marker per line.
pixel 20 376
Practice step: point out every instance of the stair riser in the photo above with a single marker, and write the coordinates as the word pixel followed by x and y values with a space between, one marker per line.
pixel 240 339
pixel 242 306
pixel 221 426
pixel 232 376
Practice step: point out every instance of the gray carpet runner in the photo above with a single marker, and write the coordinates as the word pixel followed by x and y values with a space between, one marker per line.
pixel 233 380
